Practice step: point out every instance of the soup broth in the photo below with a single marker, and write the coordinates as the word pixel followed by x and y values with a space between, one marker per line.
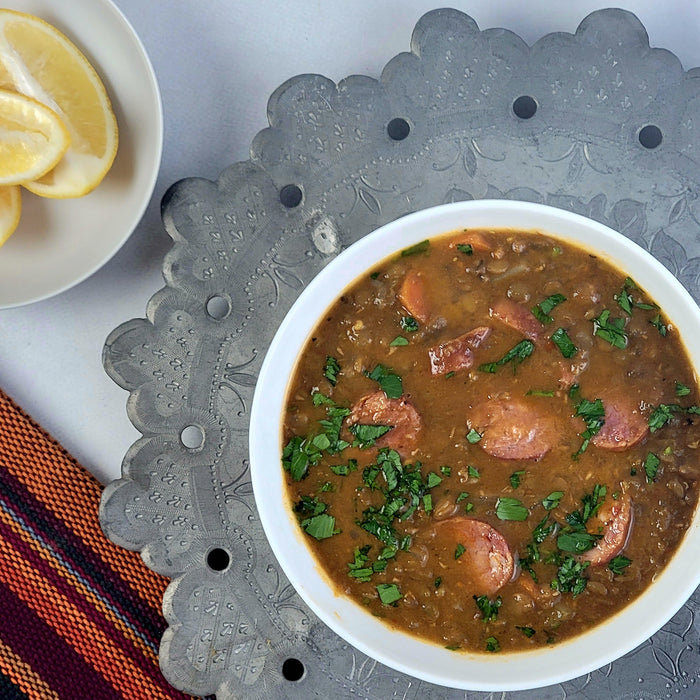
pixel 490 440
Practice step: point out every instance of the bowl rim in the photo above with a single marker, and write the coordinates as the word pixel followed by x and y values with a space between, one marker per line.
pixel 569 659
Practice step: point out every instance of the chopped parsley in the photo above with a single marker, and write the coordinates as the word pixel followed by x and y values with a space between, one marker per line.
pixel 492 644
pixel 389 593
pixel 473 472
pixel 515 478
pixel 542 310
pixel 389 381
pixel 527 631
pixel 473 436
pixel 659 325
pixel 459 550
pixel 547 393
pixel 593 414
pixel 447 471
pixel 682 389
pixel 618 564
pixel 488 608
pixel 421 247
pixel 651 466
pixel 404 491
pixel 344 469
pixel 298 454
pixel 626 302
pixel 663 413
pixel 319 399
pixel 331 370
pixel 552 501
pixel 574 537
pixel 511 509
pixel 576 541
pixel 465 248
pixel 516 355
pixel 570 578
pixel 409 324
pixel 367 435
pixel 438 582
pixel 612 330
pixel 399 341
pixel 319 525
pixel 561 339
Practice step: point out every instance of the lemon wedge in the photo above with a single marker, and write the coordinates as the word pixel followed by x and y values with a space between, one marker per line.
pixel 37 60
pixel 32 138
pixel 10 208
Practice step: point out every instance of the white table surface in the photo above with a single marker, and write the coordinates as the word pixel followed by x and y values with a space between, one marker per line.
pixel 217 62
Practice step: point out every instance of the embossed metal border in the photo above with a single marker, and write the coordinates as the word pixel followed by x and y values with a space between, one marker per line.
pixel 609 128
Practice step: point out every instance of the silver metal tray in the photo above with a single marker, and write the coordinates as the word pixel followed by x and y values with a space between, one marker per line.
pixel 595 122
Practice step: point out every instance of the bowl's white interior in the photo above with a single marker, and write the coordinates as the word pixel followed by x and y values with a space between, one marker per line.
pixel 432 663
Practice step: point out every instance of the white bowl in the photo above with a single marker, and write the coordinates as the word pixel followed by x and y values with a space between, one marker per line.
pixel 530 669
pixel 60 242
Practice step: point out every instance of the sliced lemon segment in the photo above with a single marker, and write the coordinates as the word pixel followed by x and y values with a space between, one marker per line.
pixel 32 138
pixel 39 61
pixel 10 209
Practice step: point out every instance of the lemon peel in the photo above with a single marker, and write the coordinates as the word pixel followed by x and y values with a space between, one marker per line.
pixel 10 210
pixel 37 60
pixel 33 138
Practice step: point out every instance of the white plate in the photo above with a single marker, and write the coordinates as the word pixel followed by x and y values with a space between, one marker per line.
pixel 61 242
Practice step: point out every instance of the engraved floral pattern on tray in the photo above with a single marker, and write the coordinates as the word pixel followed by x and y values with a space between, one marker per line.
pixel 607 127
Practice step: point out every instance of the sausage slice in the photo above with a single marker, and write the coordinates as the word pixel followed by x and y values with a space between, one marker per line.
pixel 487 562
pixel 624 426
pixel 517 317
pixel 457 353
pixel 377 409
pixel 513 429
pixel 412 296
pixel 615 517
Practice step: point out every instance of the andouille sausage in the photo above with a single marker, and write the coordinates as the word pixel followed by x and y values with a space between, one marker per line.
pixel 517 317
pixel 615 517
pixel 624 426
pixel 413 297
pixel 513 429
pixel 457 353
pixel 401 414
pixel 487 563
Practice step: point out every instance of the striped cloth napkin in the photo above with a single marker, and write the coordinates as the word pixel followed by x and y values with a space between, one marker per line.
pixel 79 616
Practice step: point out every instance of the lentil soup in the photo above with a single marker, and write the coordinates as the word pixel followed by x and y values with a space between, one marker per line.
pixel 490 440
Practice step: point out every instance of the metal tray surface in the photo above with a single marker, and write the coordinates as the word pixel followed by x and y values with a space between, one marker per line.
pixel 605 126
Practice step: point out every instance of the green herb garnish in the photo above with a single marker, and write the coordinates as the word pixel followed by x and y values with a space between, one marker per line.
pixel 367 435
pixel 561 339
pixel 473 436
pixel 511 509
pixel 465 248
pixel 570 577
pixel 389 381
pixel 409 324
pixel 542 310
pixel 612 330
pixel 527 631
pixel 593 414
pixel 399 341
pixel 488 608
pixel 344 469
pixel 682 389
pixel 459 550
pixel 618 564
pixel 552 501
pixel 331 370
pixel 421 247
pixel 659 325
pixel 320 526
pixel 389 593
pixel 492 644
pixel 516 355
pixel 472 472
pixel 651 466
pixel 515 478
